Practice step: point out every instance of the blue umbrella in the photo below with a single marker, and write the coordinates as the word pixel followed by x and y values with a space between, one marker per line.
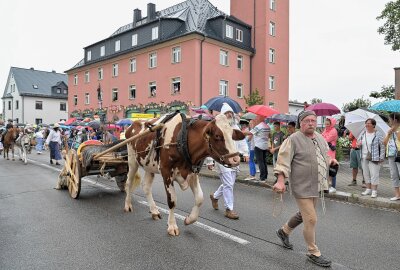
pixel 215 104
pixel 124 122
pixel 387 106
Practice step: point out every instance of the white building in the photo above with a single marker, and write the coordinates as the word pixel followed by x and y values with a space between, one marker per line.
pixel 34 97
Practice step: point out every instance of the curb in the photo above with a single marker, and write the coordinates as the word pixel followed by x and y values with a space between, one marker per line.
pixel 338 195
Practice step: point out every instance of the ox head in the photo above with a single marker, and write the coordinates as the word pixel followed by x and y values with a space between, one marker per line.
pixel 220 137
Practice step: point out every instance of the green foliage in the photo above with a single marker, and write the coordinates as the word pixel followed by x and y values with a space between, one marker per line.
pixel 341 144
pixel 355 104
pixel 387 93
pixel 316 100
pixel 391 27
pixel 254 98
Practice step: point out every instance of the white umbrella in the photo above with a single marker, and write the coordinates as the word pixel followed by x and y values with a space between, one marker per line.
pixel 355 122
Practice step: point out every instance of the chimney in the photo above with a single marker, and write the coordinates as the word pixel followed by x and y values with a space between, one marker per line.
pixel 151 11
pixel 32 68
pixel 53 71
pixel 397 82
pixel 137 16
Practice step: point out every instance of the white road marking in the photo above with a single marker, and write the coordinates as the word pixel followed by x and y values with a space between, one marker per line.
pixel 205 227
pixel 83 179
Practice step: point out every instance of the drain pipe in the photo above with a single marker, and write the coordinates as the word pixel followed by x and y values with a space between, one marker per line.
pixel 201 70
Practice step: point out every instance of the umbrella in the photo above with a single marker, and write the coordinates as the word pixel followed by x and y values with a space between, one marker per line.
pixel 124 122
pixel 198 110
pixel 262 110
pixel 112 126
pixel 70 121
pixel 283 117
pixel 249 116
pixel 203 116
pixel 94 124
pixel 323 109
pixel 355 122
pixel 387 106
pixel 87 120
pixel 215 104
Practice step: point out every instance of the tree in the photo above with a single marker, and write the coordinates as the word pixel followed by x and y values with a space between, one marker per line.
pixel 355 104
pixel 387 93
pixel 391 28
pixel 254 98
pixel 316 100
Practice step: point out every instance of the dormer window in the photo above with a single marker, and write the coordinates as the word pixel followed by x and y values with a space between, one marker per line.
pixel 117 45
pixel 58 90
pixel 154 33
pixel 35 86
pixel 89 56
pixel 102 50
pixel 229 31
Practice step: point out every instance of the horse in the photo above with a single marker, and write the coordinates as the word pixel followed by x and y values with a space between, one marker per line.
pixel 177 152
pixel 9 142
pixel 23 144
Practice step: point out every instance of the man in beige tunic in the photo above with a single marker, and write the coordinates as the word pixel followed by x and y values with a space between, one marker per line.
pixel 304 161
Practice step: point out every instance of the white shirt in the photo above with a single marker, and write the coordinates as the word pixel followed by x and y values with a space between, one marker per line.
pixel 261 136
pixel 54 137
pixel 39 134
pixel 366 143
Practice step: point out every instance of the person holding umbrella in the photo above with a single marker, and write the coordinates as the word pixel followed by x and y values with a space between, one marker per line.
pixel 392 142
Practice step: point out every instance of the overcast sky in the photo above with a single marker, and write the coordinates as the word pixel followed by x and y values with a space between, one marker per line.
pixel 336 53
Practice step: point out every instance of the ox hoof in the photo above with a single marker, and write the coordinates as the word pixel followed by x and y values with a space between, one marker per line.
pixel 128 208
pixel 156 216
pixel 173 231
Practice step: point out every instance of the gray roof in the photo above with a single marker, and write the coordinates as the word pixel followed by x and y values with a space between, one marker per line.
pixel 32 82
pixel 194 12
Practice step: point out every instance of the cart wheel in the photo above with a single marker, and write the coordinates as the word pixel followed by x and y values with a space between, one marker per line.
pixel 74 181
pixel 121 180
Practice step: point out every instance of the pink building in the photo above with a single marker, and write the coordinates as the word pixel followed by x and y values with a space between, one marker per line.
pixel 180 56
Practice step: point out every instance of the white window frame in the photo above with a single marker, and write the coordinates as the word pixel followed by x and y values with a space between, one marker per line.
pixel 239 86
pixel 223 57
pixel 175 81
pixel 153 60
pixel 87 98
pixel 100 73
pixel 271 82
pixel 75 79
pixel 132 65
pixel 134 40
pixel 87 76
pixel 151 85
pixel 239 35
pixel 17 104
pixel 114 95
pixel 176 54
pixel 75 100
pixel 9 105
pixel 223 88
pixel 271 55
pixel 103 50
pixel 229 31
pixel 272 5
pixel 115 70
pixel 272 28
pixel 89 56
pixel 154 33
pixel 117 45
pixel 240 60
pixel 132 87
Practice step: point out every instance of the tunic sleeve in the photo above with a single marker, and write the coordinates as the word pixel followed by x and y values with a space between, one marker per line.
pixel 285 157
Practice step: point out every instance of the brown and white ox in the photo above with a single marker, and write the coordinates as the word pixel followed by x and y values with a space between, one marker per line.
pixel 204 139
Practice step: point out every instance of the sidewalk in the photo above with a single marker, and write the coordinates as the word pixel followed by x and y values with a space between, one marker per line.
pixel 344 192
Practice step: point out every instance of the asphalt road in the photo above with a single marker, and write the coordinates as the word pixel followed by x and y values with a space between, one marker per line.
pixel 41 228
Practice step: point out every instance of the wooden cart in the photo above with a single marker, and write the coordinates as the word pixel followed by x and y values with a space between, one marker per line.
pixel 113 161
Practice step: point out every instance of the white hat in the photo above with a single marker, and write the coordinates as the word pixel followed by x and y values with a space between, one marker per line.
pixel 226 108
pixel 56 125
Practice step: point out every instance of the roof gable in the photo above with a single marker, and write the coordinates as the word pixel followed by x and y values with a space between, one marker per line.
pixel 36 82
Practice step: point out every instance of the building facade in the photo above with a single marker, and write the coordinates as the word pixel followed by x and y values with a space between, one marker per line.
pixel 33 97
pixel 185 55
